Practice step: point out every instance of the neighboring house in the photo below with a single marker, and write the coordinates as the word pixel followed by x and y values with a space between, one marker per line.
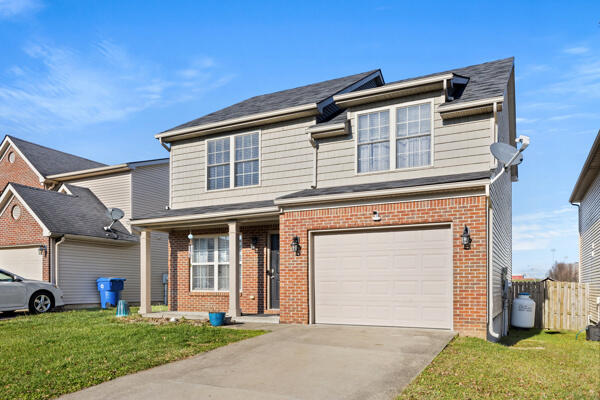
pixel 58 235
pixel 518 277
pixel 345 202
pixel 586 195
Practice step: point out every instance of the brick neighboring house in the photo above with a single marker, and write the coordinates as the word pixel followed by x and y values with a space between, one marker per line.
pixel 53 210
pixel 345 202
pixel 586 194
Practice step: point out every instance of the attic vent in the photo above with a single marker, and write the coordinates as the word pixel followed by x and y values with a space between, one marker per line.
pixel 11 157
pixel 15 212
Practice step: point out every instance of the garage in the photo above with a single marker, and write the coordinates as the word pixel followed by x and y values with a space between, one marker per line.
pixel 400 277
pixel 23 261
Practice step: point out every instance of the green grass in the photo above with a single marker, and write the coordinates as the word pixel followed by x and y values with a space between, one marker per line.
pixel 526 365
pixel 44 356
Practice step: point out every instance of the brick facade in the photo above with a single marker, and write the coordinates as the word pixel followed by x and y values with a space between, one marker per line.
pixel 23 232
pixel 17 172
pixel 253 297
pixel 470 266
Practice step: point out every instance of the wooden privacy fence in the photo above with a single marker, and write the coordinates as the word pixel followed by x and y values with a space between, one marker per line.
pixel 558 305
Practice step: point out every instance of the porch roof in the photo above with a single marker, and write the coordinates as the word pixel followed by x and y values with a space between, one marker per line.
pixel 213 213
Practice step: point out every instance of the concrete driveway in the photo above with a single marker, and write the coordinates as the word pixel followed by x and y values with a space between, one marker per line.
pixel 292 362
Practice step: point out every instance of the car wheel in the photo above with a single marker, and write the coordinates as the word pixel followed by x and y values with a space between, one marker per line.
pixel 41 302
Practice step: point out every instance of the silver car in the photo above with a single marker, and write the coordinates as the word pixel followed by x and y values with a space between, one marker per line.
pixel 17 293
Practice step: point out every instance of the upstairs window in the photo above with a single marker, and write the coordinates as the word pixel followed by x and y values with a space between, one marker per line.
pixel 410 146
pixel 218 164
pixel 236 155
pixel 246 160
pixel 413 136
pixel 374 142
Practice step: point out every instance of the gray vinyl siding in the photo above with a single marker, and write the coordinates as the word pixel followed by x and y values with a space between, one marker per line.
pixel 285 166
pixel 149 189
pixel 589 228
pixel 286 161
pixel 81 263
pixel 501 200
pixel 112 190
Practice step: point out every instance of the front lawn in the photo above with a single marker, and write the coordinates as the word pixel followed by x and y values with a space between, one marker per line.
pixel 526 365
pixel 44 356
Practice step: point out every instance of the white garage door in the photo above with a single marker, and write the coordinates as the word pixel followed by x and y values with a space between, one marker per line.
pixel 24 261
pixel 387 278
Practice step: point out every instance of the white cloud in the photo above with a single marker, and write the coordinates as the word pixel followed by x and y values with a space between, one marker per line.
pixel 538 230
pixel 576 50
pixel 526 120
pixel 65 88
pixel 11 8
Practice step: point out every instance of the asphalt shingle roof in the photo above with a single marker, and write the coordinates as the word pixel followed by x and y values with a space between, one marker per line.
pixel 49 161
pixel 366 187
pixel 209 209
pixel 78 214
pixel 302 95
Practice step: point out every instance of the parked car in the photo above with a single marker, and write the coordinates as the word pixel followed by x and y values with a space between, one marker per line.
pixel 18 293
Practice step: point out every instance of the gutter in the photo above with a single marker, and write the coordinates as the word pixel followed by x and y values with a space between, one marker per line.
pixel 241 122
pixel 69 176
pixel 392 90
pixel 221 216
pixel 381 193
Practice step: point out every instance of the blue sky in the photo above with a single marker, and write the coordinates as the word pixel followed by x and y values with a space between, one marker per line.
pixel 99 78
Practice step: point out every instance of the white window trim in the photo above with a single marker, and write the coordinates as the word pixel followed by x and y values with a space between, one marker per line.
pixel 392 136
pixel 215 265
pixel 240 241
pixel 232 162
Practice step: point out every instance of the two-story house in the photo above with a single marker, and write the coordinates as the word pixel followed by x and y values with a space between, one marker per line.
pixel 346 202
pixel 586 195
pixel 53 214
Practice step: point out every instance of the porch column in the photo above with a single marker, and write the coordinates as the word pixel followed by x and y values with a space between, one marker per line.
pixel 234 285
pixel 145 272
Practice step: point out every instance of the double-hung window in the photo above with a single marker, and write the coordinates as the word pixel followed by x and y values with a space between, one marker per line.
pixel 413 136
pixel 374 141
pixel 236 156
pixel 210 263
pixel 411 141
pixel 218 163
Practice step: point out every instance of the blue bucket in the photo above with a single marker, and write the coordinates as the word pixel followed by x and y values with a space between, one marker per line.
pixel 216 318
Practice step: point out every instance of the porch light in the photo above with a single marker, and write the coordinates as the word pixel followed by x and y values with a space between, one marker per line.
pixel 254 243
pixel 42 250
pixel 296 245
pixel 466 238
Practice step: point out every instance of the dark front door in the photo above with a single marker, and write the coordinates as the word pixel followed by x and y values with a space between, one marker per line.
pixel 274 272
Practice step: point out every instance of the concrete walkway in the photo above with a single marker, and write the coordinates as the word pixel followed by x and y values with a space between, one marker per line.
pixel 291 362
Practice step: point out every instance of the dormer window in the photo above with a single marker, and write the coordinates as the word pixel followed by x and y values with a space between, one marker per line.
pixel 237 156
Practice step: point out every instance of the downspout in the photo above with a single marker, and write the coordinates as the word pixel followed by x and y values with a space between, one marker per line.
pixel 160 140
pixel 589 317
pixel 315 147
pixel 164 145
pixel 56 244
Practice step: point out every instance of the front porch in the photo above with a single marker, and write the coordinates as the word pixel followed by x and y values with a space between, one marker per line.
pixel 227 266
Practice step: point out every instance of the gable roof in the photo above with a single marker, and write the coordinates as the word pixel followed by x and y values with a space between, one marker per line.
pixel 79 213
pixel 303 95
pixel 590 170
pixel 48 161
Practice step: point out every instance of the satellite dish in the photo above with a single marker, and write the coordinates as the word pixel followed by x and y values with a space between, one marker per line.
pixel 505 153
pixel 115 214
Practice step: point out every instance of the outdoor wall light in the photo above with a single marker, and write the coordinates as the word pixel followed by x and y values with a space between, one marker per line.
pixel 296 245
pixel 466 238
pixel 254 243
pixel 42 250
pixel 376 216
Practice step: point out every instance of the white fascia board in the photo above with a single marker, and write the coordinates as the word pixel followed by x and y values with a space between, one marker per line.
pixel 109 169
pixel 93 239
pixel 8 142
pixel 311 108
pixel 382 193
pixel 391 87
pixel 469 104
pixel 202 217
pixel 9 191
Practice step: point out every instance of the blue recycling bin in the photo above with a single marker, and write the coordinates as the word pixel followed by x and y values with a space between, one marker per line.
pixel 110 290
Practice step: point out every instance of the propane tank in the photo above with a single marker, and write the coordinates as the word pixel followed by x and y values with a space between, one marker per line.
pixel 523 311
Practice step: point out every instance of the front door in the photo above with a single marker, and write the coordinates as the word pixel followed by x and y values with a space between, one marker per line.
pixel 274 272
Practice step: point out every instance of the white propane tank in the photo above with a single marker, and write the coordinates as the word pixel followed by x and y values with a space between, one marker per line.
pixel 523 311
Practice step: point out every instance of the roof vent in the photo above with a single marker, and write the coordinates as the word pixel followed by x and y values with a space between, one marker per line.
pixel 457 87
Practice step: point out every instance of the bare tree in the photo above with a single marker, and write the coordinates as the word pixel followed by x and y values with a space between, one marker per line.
pixel 564 272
